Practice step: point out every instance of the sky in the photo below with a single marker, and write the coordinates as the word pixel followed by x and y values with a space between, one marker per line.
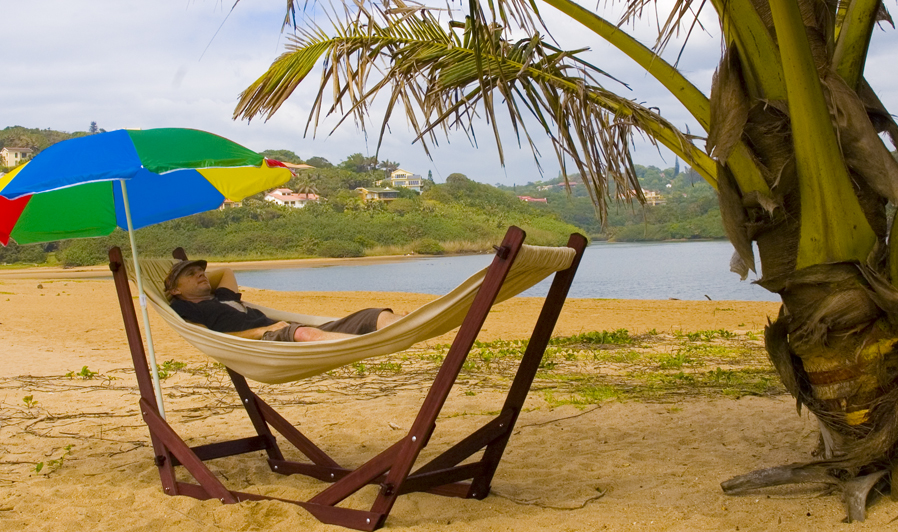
pixel 183 63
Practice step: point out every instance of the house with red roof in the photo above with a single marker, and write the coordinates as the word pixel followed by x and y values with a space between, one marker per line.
pixel 285 196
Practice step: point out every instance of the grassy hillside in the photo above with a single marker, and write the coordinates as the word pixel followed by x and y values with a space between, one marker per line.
pixel 460 216
pixel 689 210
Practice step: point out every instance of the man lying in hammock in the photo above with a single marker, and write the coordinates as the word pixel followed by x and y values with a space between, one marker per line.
pixel 221 310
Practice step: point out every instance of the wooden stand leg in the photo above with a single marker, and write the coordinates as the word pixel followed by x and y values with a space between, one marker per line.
pixel 533 355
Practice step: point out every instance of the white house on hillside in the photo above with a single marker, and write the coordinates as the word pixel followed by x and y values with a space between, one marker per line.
pixel 285 196
pixel 404 178
pixel 10 156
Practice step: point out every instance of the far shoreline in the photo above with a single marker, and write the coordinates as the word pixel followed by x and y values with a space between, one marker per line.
pixel 102 270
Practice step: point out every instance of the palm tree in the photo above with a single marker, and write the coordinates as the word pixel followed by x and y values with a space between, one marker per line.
pixel 792 146
pixel 388 167
pixel 307 184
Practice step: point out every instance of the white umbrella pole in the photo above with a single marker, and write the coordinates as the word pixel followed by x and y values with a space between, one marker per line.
pixel 143 304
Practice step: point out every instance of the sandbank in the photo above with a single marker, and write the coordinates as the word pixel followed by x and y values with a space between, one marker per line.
pixel 615 465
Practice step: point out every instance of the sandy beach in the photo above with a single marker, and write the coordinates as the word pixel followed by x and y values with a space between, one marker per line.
pixel 75 455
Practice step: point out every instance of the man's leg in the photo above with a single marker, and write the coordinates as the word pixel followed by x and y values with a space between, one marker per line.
pixel 311 334
pixel 362 322
pixel 387 317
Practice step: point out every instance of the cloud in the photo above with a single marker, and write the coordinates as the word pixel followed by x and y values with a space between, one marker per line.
pixel 132 63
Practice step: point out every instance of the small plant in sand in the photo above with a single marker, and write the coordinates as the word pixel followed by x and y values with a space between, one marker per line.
pixel 30 401
pixel 84 374
pixel 386 368
pixel 705 336
pixel 169 368
pixel 675 361
pixel 54 465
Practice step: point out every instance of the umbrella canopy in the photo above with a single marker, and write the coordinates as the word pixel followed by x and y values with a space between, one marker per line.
pixel 73 189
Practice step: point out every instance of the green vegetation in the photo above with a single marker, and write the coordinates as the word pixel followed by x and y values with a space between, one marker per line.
pixel 687 209
pixel 597 366
pixel 84 374
pixel 459 216
pixel 169 368
pixel 342 228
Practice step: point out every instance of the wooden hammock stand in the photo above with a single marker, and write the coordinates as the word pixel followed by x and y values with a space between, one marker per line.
pixel 391 469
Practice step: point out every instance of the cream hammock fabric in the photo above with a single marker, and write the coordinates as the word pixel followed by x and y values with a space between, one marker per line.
pixel 277 362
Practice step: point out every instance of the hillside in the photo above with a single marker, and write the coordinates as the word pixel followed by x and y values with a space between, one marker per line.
pixel 459 216
pixel 686 207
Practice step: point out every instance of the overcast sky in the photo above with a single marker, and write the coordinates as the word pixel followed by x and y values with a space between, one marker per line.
pixel 140 64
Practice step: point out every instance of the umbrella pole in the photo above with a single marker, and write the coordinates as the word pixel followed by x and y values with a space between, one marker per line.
pixel 143 304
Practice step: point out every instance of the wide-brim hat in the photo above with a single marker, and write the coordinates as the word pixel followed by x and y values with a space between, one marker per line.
pixel 177 269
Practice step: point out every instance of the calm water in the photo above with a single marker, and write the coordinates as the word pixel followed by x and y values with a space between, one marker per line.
pixel 682 270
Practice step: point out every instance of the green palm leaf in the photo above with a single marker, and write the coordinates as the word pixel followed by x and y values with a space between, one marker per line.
pixel 444 78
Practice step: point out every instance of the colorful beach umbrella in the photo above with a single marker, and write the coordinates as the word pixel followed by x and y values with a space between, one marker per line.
pixel 88 186
pixel 73 189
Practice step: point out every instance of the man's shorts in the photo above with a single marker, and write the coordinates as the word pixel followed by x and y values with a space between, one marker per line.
pixel 361 322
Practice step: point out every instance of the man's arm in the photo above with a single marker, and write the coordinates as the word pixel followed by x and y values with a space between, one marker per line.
pixel 258 332
pixel 222 278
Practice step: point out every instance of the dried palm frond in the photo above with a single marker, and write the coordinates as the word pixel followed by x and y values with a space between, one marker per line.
pixel 447 79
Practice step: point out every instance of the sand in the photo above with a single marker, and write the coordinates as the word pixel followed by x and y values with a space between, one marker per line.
pixel 616 465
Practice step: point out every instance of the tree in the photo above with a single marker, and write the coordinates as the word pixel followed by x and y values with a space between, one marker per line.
pixel 305 183
pixel 319 162
pixel 792 147
pixel 388 167
pixel 359 163
pixel 285 156
pixel 93 128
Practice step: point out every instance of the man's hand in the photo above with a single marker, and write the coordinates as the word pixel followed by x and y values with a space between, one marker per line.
pixel 222 278
pixel 256 334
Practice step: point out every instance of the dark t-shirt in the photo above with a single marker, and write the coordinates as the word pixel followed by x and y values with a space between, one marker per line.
pixel 219 315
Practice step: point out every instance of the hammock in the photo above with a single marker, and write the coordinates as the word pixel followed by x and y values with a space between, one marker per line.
pixel 456 472
pixel 278 362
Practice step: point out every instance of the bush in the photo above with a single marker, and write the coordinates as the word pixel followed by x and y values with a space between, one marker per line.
pixel 428 246
pixel 84 252
pixel 340 249
pixel 32 254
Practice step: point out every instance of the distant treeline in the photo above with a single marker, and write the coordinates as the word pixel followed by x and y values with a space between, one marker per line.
pixel 459 216
pixel 689 211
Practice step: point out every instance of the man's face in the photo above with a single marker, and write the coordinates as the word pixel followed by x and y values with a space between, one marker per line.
pixel 192 284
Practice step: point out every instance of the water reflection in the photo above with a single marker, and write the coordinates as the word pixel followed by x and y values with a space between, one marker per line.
pixel 682 270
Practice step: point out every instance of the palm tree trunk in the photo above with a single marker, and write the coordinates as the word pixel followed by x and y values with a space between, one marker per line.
pixel 834 341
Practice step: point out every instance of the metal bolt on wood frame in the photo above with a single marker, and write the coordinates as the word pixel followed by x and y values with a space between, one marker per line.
pixel 392 468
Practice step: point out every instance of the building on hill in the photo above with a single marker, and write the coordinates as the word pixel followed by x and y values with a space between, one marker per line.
pixel 285 196
pixel 404 178
pixel 528 199
pixel 652 197
pixel 377 194
pixel 10 156
pixel 228 204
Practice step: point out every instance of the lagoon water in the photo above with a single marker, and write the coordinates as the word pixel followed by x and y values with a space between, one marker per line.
pixel 663 270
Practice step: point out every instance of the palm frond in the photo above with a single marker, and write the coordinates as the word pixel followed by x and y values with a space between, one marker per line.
pixel 446 80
